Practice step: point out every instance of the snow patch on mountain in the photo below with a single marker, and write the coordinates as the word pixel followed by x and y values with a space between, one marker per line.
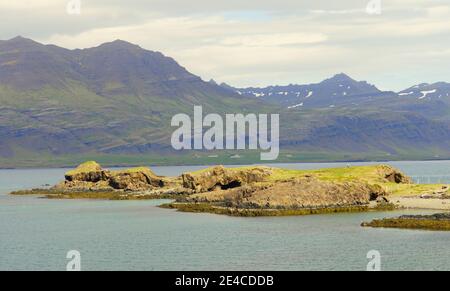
pixel 426 93
pixel 295 106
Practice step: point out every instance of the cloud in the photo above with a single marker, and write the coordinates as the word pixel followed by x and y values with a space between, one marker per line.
pixel 275 39
pixel 271 42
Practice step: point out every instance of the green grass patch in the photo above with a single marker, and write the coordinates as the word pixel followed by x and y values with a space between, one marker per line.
pixel 85 167
pixel 414 189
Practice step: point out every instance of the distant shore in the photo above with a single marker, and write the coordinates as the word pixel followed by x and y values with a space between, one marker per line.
pixel 207 163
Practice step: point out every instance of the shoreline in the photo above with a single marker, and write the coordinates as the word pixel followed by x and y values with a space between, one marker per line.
pixel 255 190
pixel 126 165
pixel 417 203
pixel 400 203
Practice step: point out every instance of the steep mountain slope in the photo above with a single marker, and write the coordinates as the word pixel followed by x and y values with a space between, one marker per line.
pixel 389 133
pixel 26 65
pixel 112 69
pixel 115 98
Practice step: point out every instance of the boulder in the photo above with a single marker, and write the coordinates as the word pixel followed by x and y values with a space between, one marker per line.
pixel 393 175
pixel 135 179
pixel 90 176
pixel 221 178
pixel 82 186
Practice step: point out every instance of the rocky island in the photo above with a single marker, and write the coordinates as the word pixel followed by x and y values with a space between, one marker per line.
pixel 246 191
pixel 90 181
pixel 440 221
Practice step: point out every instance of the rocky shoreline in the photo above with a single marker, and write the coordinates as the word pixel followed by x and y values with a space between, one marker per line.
pixel 246 191
pixel 259 191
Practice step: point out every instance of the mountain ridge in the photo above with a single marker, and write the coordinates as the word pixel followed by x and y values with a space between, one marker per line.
pixel 329 92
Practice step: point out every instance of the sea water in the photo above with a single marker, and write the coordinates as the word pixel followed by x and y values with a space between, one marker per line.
pixel 37 234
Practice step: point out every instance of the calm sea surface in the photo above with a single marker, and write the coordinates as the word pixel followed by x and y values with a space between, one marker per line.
pixel 36 234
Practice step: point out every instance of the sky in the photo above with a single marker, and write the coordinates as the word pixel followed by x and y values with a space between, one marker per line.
pixel 394 45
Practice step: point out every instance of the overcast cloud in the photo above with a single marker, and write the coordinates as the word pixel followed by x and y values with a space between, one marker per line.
pixel 250 43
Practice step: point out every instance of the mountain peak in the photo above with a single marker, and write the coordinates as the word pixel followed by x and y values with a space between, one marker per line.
pixel 342 77
pixel 122 42
pixel 20 40
pixel 118 43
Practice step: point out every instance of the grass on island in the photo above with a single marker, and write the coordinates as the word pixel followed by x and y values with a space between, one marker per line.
pixel 85 167
pixel 135 170
pixel 414 189
pixel 146 170
pixel 368 174
pixel 419 224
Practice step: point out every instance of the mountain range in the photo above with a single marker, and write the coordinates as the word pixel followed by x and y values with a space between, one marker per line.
pixel 343 91
pixel 114 103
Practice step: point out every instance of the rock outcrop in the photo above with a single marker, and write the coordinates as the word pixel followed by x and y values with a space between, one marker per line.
pixel 246 190
pixel 307 192
pixel 135 179
pixel 221 178
pixel 90 176
pixel 87 172
pixel 393 175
